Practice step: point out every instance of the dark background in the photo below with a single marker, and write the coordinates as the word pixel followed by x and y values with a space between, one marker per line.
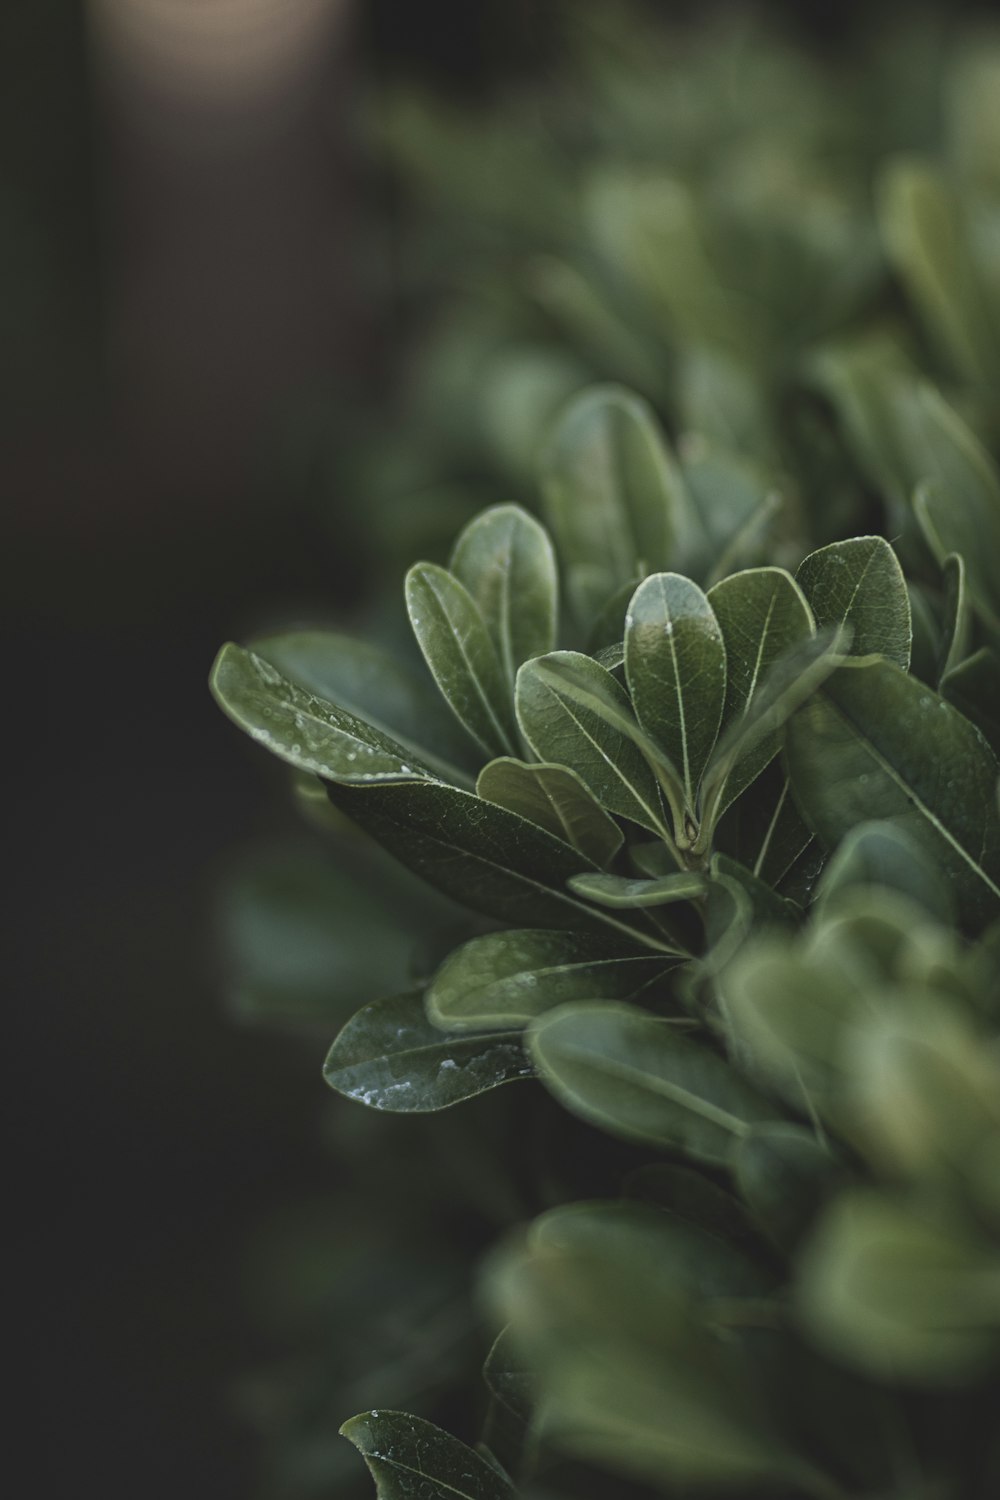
pixel 178 298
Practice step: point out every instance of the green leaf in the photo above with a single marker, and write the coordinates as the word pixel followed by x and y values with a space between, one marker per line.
pixel 505 979
pixel 390 1057
pixel 483 856
pixel 619 891
pixel 761 613
pixel 508 1378
pixel 794 677
pixel 974 689
pixel 613 496
pixel 307 732
pixel 573 712
pixel 957 631
pixel 877 744
pixel 958 502
pixel 921 222
pixel 859 583
pixel 784 1176
pixel 371 683
pixel 634 1076
pixel 410 1459
pixel 457 647
pixel 689 1195
pixel 505 560
pixel 908 1297
pixel 883 854
pixel 555 798
pixel 675 663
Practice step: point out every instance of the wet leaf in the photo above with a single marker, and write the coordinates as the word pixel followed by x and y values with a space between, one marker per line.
pixel 410 1459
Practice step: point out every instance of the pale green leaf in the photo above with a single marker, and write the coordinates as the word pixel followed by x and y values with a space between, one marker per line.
pixel 619 891
pixel 505 560
pixel 555 798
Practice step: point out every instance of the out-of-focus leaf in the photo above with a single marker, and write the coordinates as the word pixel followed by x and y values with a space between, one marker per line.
pixel 633 1075
pixel 859 583
pixel 877 744
pixel 505 560
pixel 505 979
pixel 457 646
pixel 784 1176
pixel 973 688
pixel 957 632
pixel 883 854
pixel 410 1459
pixel 390 1057
pixel 555 798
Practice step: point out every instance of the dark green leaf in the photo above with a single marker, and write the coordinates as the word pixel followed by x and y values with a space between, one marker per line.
pixel 633 1075
pixel 556 799
pixel 613 496
pixel 689 1195
pixel 307 732
pixel 505 560
pixel 508 1378
pixel 957 632
pixel 761 613
pixel 785 1176
pixel 573 712
pixel 675 663
pixel 859 583
pixel 508 978
pixel 458 649
pixel 974 689
pixel 877 744
pixel 410 1459
pixel 884 854
pixel 389 1056
pixel 618 891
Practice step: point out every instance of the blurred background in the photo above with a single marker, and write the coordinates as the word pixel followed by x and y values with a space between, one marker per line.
pixel 208 291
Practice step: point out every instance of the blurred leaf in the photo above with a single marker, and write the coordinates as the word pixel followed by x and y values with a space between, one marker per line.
pixel 784 1176
pixel 883 854
pixel 508 978
pixel 556 799
pixel 973 688
pixel 634 1076
pixel 410 1459
pixel 957 631
pixel 505 560
pixel 390 1057
pixel 458 649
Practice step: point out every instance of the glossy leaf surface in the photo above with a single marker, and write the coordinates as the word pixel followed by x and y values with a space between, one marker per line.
pixel 505 560
pixel 410 1459
pixel 556 799
pixel 859 583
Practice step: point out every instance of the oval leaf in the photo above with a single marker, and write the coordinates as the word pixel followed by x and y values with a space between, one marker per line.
pixel 390 1057
pixel 457 647
pixel 410 1459
pixel 859 583
pixel 633 1075
pixel 556 799
pixel 619 891
pixel 675 663
pixel 505 560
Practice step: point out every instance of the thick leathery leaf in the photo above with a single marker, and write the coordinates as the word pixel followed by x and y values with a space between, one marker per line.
pixel 573 712
pixel 634 1076
pixel 509 978
pixel 612 495
pixel 877 744
pixel 373 684
pixel 908 1297
pixel 554 797
pixel 859 583
pixel 390 1057
pixel 675 663
pixel 483 856
pixel 307 732
pixel 505 560
pixel 463 660
pixel 973 688
pixel 884 854
pixel 761 613
pixel 410 1459
pixel 784 1176
pixel 619 891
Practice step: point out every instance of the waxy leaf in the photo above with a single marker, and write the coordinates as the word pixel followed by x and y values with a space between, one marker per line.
pixel 634 1076
pixel 619 891
pixel 879 744
pixel 573 712
pixel 371 683
pixel 761 613
pixel 457 647
pixel 613 496
pixel 675 663
pixel 483 856
pixel 307 732
pixel 505 560
pixel 390 1057
pixel 508 978
pixel 859 583
pixel 410 1459
pixel 556 799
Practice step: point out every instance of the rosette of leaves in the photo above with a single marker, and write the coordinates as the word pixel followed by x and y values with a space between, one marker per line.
pixel 740 870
